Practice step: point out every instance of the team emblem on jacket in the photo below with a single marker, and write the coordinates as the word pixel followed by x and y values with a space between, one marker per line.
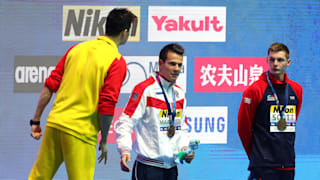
pixel 292 98
pixel 135 96
pixel 247 100
pixel 271 97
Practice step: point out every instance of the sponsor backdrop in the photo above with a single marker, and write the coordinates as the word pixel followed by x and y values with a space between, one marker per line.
pixel 226 47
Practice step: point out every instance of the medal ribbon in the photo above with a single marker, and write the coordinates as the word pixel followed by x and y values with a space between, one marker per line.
pixel 173 112
pixel 286 94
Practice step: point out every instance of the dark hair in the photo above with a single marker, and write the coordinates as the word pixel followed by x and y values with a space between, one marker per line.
pixel 173 47
pixel 276 47
pixel 118 20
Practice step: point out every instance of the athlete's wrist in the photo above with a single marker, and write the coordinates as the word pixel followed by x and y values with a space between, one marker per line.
pixel 32 122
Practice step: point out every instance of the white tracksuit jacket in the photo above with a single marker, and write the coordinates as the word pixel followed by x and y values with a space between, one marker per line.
pixel 147 112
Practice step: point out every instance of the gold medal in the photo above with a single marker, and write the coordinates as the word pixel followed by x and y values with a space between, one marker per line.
pixel 282 124
pixel 171 131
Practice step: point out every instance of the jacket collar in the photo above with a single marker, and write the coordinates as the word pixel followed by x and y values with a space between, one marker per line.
pixel 275 82
pixel 165 84
pixel 108 40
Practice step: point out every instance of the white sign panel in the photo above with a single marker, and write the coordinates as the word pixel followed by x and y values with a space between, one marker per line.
pixel 209 124
pixel 187 23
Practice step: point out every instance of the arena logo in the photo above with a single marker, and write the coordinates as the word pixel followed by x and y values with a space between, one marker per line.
pixel 208 124
pixel 30 72
pixel 82 23
pixel 188 24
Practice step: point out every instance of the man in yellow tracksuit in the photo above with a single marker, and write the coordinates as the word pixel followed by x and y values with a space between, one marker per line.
pixel 87 81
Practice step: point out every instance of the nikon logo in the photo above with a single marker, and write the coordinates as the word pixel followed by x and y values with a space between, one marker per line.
pixel 165 113
pixel 30 72
pixel 289 109
pixel 87 22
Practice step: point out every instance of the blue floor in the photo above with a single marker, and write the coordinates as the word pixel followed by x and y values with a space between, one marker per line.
pixel 211 162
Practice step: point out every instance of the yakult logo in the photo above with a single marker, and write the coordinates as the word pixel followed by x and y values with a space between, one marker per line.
pixel 187 24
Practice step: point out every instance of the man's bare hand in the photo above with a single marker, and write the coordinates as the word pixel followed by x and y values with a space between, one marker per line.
pixel 124 159
pixel 36 131
pixel 104 152
pixel 189 158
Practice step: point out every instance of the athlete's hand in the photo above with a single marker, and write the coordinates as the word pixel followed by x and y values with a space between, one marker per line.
pixel 36 131
pixel 124 159
pixel 189 158
pixel 104 152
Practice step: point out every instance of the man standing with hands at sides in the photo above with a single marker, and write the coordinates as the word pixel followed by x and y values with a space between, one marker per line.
pixel 87 80
pixel 156 110
pixel 267 119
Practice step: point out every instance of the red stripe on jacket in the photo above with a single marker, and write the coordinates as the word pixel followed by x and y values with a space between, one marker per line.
pixel 160 104
pixel 109 93
pixel 136 96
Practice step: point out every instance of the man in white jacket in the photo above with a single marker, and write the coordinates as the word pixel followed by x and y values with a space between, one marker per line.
pixel 156 110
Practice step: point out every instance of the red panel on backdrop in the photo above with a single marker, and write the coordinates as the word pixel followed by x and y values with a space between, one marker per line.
pixel 227 74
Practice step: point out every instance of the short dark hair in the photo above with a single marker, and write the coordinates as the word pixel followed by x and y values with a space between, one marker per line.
pixel 118 20
pixel 173 47
pixel 276 47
